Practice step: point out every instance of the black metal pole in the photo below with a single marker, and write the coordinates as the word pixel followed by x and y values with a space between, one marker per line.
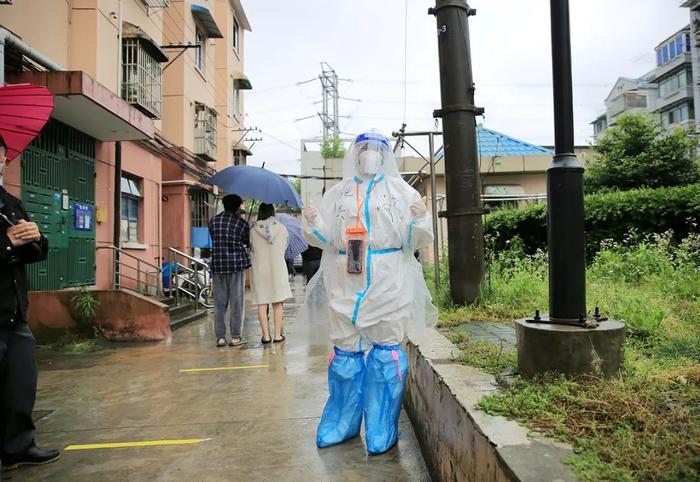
pixel 117 205
pixel 463 187
pixel 565 229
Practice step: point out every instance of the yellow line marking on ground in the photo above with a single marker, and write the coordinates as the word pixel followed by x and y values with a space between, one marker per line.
pixel 144 443
pixel 218 369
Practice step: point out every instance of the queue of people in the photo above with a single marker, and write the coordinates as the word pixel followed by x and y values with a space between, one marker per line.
pixel 237 246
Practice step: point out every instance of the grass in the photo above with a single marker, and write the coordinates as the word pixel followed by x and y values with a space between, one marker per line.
pixel 643 425
pixel 487 356
pixel 73 343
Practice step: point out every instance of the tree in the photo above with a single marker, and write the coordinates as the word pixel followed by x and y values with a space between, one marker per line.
pixel 332 148
pixel 638 152
pixel 297 184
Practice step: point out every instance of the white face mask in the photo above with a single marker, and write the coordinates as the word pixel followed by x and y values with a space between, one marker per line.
pixel 370 162
pixel 2 169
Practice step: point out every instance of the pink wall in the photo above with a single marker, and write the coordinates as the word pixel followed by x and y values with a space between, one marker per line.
pixel 176 208
pixel 176 218
pixel 140 163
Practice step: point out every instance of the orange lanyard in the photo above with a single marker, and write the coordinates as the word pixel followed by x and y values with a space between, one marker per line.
pixel 357 201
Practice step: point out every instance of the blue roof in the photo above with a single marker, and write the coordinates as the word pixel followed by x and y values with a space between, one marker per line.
pixel 493 143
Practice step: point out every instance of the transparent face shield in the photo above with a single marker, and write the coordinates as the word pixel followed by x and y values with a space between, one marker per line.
pixel 368 156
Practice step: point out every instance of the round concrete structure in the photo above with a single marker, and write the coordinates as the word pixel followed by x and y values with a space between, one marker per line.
pixel 571 350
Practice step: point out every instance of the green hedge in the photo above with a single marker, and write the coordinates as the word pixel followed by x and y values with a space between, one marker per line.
pixel 608 216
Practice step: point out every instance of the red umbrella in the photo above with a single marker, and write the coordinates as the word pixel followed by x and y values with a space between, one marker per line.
pixel 24 110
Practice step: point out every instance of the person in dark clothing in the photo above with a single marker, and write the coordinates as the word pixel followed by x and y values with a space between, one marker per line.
pixel 311 260
pixel 230 236
pixel 21 243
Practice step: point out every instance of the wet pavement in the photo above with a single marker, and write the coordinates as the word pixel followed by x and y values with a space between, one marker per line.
pixel 257 414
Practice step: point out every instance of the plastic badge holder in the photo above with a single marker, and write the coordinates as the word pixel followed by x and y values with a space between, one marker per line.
pixel 355 238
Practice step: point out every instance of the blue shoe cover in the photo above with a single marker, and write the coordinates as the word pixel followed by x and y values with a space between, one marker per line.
pixel 342 416
pixel 384 383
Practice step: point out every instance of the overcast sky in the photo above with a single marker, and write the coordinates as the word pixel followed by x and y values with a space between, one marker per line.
pixel 363 40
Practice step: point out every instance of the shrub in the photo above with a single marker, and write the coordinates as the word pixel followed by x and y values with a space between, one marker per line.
pixel 84 308
pixel 611 215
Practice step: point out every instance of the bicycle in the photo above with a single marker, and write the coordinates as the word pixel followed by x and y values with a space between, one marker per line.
pixel 197 280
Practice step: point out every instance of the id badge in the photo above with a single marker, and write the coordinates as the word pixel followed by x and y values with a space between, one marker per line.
pixel 356 242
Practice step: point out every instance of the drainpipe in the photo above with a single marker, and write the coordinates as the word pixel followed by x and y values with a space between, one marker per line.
pixel 11 40
pixel 117 206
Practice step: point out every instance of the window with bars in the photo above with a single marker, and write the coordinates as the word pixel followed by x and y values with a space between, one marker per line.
pixel 238 157
pixel 131 200
pixel 205 132
pixel 201 207
pixel 142 78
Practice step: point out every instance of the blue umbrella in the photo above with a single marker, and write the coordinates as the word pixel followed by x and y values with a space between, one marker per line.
pixel 296 243
pixel 256 183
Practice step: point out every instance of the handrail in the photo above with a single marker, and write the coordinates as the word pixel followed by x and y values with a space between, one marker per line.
pixel 188 257
pixel 129 255
pixel 143 276
pixel 190 286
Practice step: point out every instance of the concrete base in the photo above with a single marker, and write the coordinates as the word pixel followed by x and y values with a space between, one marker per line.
pixel 571 350
pixel 122 315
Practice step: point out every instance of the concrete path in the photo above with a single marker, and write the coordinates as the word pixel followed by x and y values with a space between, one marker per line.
pixel 496 333
pixel 258 419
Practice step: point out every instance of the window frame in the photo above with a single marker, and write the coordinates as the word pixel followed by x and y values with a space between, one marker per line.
pixel 239 157
pixel 200 39
pixel 235 100
pixel 236 35
pixel 132 197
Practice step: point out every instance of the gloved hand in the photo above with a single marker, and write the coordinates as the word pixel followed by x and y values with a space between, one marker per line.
pixel 310 213
pixel 419 209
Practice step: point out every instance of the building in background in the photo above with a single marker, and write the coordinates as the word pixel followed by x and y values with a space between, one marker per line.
pixel 147 94
pixel 202 106
pixel 318 174
pixel 667 92
pixel 693 7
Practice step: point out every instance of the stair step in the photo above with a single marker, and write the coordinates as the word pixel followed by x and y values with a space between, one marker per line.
pixel 187 317
pixel 167 300
pixel 183 307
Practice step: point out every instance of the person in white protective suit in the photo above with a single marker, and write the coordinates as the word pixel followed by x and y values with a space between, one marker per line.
pixel 371 290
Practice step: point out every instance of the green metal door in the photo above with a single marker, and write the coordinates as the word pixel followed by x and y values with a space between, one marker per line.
pixel 58 189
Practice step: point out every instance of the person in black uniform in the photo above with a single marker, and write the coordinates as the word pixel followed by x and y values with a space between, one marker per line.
pixel 21 243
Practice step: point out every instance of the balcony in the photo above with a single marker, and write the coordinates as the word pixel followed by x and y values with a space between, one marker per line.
pixel 142 74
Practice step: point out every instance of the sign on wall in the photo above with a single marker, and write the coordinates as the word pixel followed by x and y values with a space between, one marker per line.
pixel 84 215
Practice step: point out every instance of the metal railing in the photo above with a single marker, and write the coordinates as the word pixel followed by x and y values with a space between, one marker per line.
pixel 189 278
pixel 143 277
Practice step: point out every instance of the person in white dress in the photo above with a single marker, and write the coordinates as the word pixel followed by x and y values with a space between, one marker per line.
pixel 269 284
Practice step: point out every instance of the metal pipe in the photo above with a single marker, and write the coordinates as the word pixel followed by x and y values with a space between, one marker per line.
pixel 9 39
pixel 117 205
pixel 433 206
pixel 565 226
pixel 415 133
pixel 463 186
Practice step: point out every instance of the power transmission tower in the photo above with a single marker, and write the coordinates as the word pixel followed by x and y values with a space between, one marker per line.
pixel 329 96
